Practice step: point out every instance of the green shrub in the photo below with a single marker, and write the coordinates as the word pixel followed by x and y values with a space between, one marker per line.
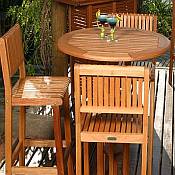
pixel 163 9
pixel 29 16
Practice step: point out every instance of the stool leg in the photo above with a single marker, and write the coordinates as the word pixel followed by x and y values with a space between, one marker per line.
pixel 111 159
pixel 78 147
pixel 58 140
pixel 8 137
pixel 172 58
pixel 67 125
pixel 100 159
pixel 22 128
pixel 125 159
pixel 115 166
pixel 72 76
pixel 151 129
pixel 86 158
pixel 144 159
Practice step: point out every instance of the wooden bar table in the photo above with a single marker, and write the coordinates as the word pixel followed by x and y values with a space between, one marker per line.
pixel 131 45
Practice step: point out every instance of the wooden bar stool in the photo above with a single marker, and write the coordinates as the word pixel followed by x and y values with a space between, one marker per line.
pixel 146 22
pixel 111 106
pixel 31 91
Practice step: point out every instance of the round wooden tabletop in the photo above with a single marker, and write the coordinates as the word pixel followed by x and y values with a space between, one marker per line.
pixel 132 45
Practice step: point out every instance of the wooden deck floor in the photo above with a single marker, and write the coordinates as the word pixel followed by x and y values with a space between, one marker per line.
pixel 164 136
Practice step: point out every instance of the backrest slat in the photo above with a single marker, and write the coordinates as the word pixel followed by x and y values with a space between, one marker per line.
pixel 106 91
pixel 151 23
pixel 136 22
pixel 134 91
pixel 140 22
pixel 132 21
pixel 128 86
pixel 147 23
pixel 112 88
pixel 121 22
pixel 143 22
pixel 83 81
pixel 140 84
pixel 95 95
pixel 100 91
pixel 123 92
pixel 117 92
pixel 128 21
pixel 89 91
pixel 125 17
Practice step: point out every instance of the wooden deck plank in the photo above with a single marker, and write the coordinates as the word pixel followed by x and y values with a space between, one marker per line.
pixel 138 165
pixel 173 167
pixel 134 149
pixel 159 111
pixel 166 166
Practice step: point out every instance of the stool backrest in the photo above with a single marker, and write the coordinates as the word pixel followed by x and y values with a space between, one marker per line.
pixel 139 21
pixel 12 55
pixel 111 89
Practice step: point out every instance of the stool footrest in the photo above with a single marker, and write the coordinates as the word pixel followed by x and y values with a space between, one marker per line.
pixel 42 143
pixel 34 170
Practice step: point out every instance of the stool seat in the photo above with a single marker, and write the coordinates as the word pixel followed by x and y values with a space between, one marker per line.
pixel 118 123
pixel 40 90
pixel 112 128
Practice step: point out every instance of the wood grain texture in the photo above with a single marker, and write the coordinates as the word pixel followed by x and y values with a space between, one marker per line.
pixel 109 121
pixel 111 89
pixel 115 119
pixel 132 45
pixel 29 91
pixel 138 21
pixel 34 170
pixel 40 90
pixel 82 13
pixel 14 48
pixel 134 153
